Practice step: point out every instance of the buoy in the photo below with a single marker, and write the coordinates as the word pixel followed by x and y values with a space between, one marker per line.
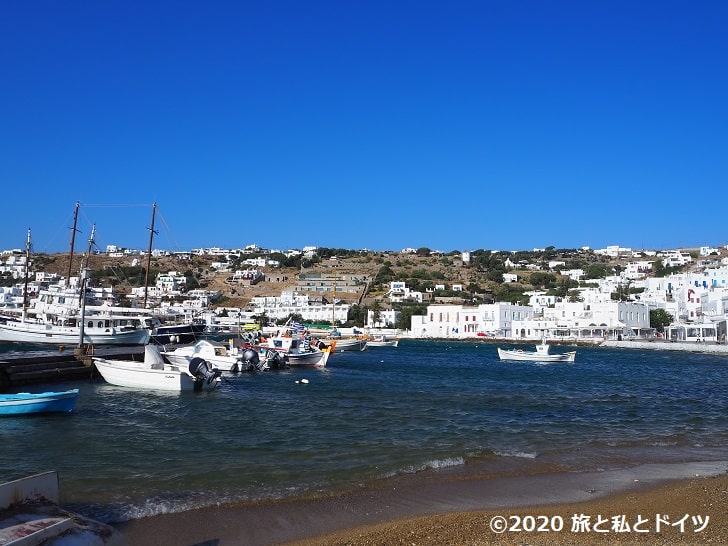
pixel 304 380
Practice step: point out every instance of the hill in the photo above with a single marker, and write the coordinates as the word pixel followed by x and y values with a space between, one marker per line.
pixel 480 279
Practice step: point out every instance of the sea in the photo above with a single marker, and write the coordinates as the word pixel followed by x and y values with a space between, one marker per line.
pixel 368 417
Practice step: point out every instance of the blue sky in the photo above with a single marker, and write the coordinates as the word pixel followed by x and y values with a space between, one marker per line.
pixel 450 125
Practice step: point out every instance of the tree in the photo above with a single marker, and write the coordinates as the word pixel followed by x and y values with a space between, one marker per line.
pixel 376 311
pixel 404 320
pixel 659 318
pixel 574 296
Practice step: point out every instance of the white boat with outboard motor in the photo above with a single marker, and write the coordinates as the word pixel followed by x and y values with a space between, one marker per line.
pixel 156 374
pixel 541 354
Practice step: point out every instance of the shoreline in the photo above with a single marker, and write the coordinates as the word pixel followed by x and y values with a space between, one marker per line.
pixel 437 509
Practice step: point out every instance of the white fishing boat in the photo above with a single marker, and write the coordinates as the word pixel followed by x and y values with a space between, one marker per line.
pixel 348 343
pixel 156 374
pixel 296 350
pixel 541 354
pixel 382 341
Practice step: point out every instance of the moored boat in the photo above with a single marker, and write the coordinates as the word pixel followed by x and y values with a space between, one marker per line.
pixel 156 374
pixel 74 313
pixel 24 403
pixel 382 341
pixel 219 355
pixel 296 350
pixel 190 332
pixel 541 354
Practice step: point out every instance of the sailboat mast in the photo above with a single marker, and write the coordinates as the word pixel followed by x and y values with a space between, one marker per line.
pixel 73 240
pixel 333 303
pixel 27 272
pixel 149 256
pixel 84 279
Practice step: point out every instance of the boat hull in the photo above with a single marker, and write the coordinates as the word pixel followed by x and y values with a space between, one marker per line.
pixel 45 402
pixel 343 344
pixel 528 356
pixel 310 359
pixel 314 360
pixel 28 332
pixel 151 374
pixel 170 378
pixel 177 333
pixel 389 343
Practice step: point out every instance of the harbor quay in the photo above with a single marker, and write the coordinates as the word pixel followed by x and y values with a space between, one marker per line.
pixel 68 364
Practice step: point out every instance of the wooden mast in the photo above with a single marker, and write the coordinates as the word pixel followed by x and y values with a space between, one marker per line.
pixel 84 280
pixel 27 273
pixel 149 256
pixel 73 240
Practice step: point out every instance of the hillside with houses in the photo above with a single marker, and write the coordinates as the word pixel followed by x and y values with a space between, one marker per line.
pixel 561 294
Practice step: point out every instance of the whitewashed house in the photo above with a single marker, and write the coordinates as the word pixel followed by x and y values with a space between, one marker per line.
pixel 399 292
pixel 459 321
pixel 387 318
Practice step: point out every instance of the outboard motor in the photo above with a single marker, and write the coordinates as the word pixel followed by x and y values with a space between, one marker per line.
pixel 251 361
pixel 275 360
pixel 203 372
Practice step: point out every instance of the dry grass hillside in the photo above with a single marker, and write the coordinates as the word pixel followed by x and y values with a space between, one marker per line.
pixel 277 279
pixel 434 270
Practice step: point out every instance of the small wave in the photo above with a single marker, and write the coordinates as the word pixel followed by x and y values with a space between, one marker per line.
pixel 435 464
pixel 517 454
pixel 159 505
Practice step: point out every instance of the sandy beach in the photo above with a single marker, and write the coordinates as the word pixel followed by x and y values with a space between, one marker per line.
pixel 649 504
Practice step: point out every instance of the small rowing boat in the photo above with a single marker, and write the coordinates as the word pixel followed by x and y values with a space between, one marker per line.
pixel 24 403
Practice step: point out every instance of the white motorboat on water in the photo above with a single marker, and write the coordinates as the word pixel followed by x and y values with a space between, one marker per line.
pixel 541 354
pixel 222 357
pixel 156 374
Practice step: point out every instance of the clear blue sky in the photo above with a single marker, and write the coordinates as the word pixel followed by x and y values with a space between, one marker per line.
pixel 365 124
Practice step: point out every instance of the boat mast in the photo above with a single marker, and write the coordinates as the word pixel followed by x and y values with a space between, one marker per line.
pixel 84 278
pixel 73 240
pixel 333 304
pixel 149 256
pixel 28 247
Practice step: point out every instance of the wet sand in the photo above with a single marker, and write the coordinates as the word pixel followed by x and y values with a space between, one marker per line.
pixel 436 510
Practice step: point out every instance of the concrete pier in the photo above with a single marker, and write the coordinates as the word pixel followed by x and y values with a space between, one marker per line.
pixel 661 345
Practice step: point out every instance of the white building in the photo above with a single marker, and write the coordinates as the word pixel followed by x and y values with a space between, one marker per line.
pixel 443 321
pixel 387 319
pixel 399 292
pixel 291 303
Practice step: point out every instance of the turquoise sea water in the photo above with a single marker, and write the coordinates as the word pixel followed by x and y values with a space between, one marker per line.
pixel 382 413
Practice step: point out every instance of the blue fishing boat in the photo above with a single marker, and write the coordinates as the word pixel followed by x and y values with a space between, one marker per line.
pixel 23 403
